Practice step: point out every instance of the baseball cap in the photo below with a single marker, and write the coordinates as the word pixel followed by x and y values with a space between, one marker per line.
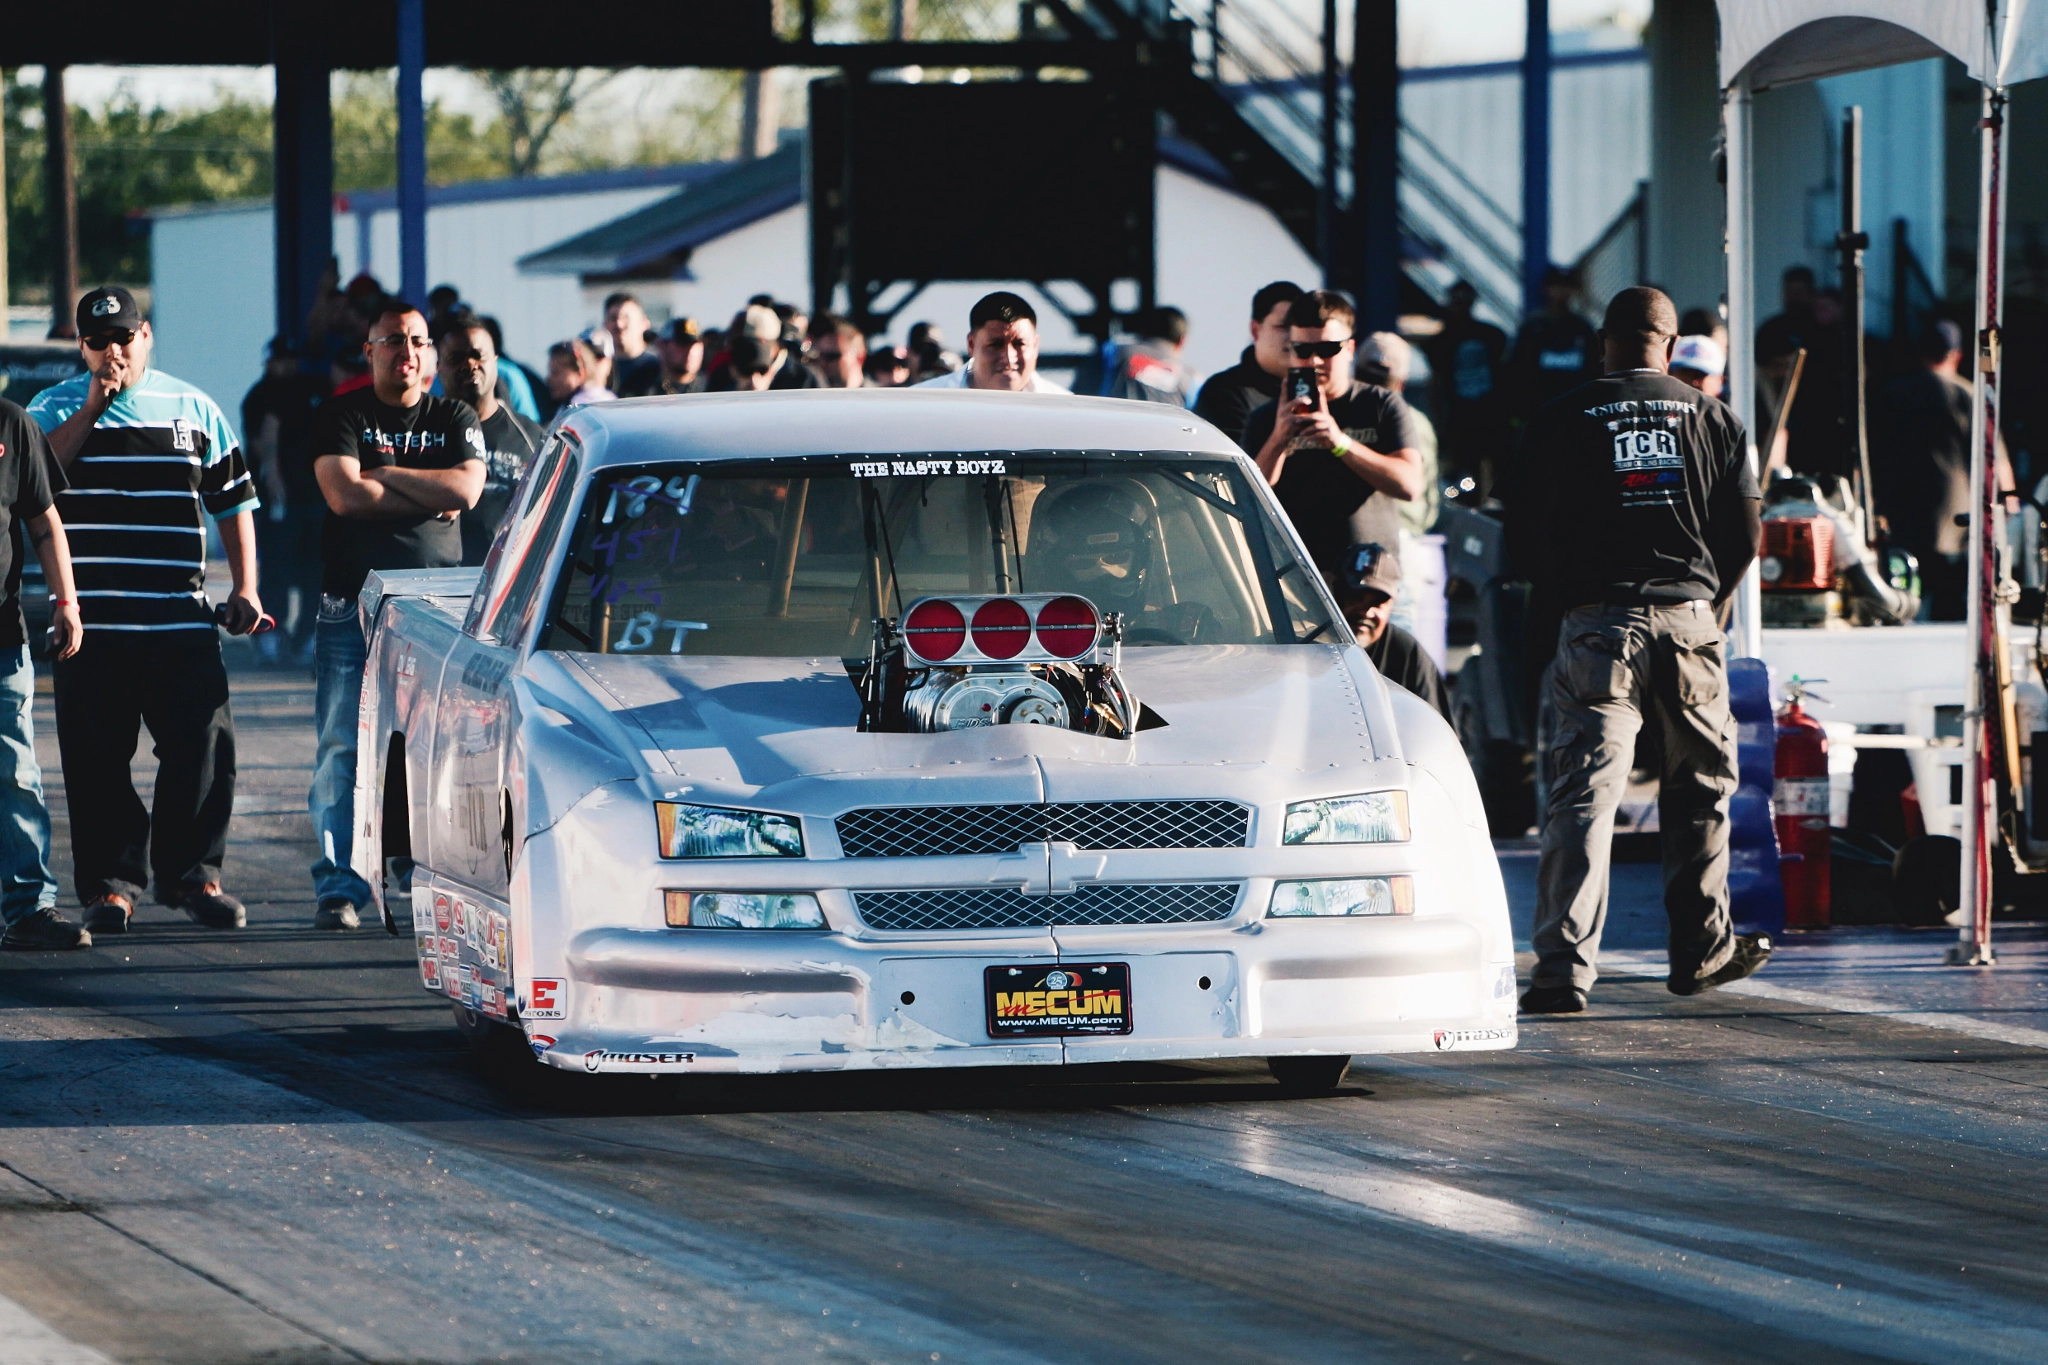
pixel 110 308
pixel 598 340
pixel 682 329
pixel 1383 358
pixel 1702 355
pixel 1372 567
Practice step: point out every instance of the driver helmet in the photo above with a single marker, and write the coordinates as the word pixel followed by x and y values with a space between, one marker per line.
pixel 1098 536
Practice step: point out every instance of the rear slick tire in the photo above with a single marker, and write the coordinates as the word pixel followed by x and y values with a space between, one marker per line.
pixel 1308 1073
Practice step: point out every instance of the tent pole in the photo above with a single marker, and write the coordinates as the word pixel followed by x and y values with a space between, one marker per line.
pixel 1973 946
pixel 1736 114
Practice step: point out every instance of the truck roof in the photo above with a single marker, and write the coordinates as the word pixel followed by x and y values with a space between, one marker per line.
pixel 755 426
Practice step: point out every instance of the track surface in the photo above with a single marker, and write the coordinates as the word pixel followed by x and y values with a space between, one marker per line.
pixel 271 1146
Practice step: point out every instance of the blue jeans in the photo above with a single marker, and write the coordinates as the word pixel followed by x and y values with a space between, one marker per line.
pixel 26 885
pixel 339 651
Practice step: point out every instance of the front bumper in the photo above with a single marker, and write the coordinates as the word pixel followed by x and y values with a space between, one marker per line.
pixel 735 1001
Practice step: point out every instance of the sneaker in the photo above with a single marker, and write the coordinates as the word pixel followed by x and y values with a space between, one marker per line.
pixel 1752 951
pixel 210 906
pixel 44 931
pixel 108 914
pixel 1553 1000
pixel 336 912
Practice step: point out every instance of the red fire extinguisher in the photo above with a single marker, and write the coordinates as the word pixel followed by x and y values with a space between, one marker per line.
pixel 1799 801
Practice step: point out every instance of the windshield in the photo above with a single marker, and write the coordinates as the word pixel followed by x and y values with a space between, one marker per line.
pixel 798 558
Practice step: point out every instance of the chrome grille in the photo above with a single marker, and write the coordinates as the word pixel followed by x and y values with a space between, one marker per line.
pixel 930 831
pixel 1005 908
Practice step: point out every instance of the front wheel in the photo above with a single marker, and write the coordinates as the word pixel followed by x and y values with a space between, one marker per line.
pixel 1308 1073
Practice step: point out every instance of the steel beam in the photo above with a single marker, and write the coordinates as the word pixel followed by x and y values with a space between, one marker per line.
pixel 1535 155
pixel 1375 134
pixel 302 188
pixel 412 152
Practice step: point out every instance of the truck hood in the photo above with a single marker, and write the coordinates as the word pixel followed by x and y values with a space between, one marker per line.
pixel 1238 719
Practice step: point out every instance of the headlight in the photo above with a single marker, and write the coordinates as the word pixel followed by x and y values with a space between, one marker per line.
pixel 1374 818
pixel 742 910
pixel 712 832
pixel 1353 896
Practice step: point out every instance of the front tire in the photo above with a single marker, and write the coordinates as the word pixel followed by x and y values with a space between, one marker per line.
pixel 1308 1073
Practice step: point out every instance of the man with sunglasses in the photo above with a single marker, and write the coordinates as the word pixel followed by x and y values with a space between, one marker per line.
pixel 148 457
pixel 1340 459
pixel 398 466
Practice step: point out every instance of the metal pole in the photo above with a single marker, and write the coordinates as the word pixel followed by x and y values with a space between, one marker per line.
pixel 1375 160
pixel 1747 634
pixel 1326 192
pixel 1973 946
pixel 302 181
pixel 1535 155
pixel 412 152
pixel 1850 242
pixel 60 200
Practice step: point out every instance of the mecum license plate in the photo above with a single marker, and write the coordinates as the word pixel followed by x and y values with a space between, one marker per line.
pixel 1058 999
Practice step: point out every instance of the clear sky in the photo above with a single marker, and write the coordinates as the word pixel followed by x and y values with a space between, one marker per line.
pixel 1433 33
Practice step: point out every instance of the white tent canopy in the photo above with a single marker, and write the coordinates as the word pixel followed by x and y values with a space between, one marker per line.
pixel 1779 42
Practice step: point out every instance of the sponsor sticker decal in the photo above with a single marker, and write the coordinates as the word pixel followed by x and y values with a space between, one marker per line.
pixel 601 1057
pixel 918 469
pixel 1067 999
pixel 1450 1039
pixel 441 913
pixel 540 1042
pixel 430 973
pixel 548 999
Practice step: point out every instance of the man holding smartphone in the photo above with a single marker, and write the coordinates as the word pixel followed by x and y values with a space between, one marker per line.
pixel 1338 453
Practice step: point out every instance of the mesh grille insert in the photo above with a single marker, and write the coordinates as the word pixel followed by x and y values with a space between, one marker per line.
pixel 929 831
pixel 1004 908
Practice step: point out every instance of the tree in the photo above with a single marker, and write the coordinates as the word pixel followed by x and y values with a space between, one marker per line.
pixel 532 106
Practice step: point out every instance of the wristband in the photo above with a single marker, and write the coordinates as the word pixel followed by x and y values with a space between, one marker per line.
pixel 62 602
pixel 1342 447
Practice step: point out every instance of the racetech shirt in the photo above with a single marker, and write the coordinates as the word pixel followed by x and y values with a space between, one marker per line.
pixel 434 433
pixel 160 458
pixel 1612 494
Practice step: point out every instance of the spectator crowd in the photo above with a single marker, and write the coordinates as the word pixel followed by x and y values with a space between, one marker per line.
pixel 395 436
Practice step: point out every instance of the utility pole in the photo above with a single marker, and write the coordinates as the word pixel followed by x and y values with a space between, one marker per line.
pixel 60 194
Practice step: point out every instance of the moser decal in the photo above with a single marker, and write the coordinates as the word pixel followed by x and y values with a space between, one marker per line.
pixel 1449 1038
pixel 600 1058
pixel 547 999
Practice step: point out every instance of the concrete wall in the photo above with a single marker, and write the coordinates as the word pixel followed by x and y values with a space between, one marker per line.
pixel 215 301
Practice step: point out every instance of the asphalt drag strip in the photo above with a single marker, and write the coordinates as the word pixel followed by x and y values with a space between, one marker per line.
pixel 270 1146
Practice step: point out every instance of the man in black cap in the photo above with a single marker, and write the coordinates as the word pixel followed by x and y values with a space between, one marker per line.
pixel 1365 591
pixel 148 458
pixel 1633 507
pixel 680 345
pixel 1228 396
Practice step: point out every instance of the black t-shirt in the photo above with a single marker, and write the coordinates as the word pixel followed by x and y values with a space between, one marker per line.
pixel 1230 395
pixel 435 433
pixel 637 376
pixel 1328 503
pixel 29 480
pixel 1401 659
pixel 1553 355
pixel 295 400
pixel 1616 484
pixel 510 443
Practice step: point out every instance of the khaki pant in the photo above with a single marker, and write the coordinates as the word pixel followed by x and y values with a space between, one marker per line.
pixel 1617 669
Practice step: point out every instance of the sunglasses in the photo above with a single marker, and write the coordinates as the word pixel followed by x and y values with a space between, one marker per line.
pixel 399 341
pixel 1326 350
pixel 101 340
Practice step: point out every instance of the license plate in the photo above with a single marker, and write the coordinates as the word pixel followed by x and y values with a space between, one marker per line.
pixel 1058 1000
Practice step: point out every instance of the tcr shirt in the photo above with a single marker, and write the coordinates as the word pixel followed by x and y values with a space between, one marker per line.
pixel 1615 486
pixel 160 459
pixel 434 433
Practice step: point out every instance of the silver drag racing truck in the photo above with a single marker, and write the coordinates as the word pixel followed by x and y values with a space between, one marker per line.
pixel 850 729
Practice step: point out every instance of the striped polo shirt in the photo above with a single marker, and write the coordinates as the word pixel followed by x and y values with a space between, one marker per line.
pixel 160 458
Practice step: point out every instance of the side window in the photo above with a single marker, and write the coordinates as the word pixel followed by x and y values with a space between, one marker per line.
pixel 523 554
pixel 499 561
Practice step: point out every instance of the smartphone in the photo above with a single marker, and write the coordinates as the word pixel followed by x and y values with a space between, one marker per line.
pixel 1300 386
